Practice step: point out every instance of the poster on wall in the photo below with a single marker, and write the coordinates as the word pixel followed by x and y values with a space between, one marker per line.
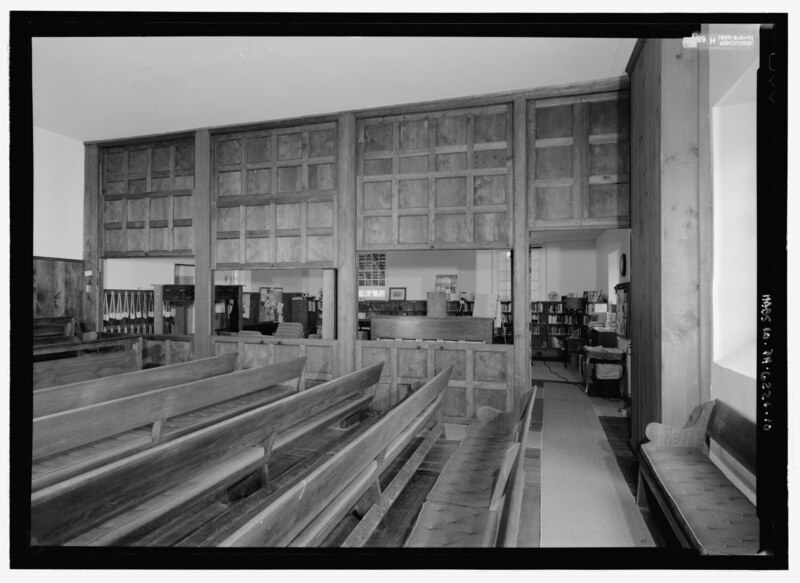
pixel 270 302
pixel 447 284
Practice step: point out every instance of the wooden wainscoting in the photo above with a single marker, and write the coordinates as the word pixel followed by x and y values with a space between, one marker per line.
pixel 321 355
pixel 482 373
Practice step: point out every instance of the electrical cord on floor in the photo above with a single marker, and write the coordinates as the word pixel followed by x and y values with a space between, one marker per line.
pixel 566 380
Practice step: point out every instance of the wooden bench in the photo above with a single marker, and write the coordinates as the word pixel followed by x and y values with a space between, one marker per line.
pixel 119 501
pixel 705 509
pixel 71 362
pixel 477 499
pixel 306 513
pixel 81 426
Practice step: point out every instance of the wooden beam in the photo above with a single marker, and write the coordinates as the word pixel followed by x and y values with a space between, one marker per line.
pixel 201 223
pixel 92 215
pixel 346 227
pixel 520 260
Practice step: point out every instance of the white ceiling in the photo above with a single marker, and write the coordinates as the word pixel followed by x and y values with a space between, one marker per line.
pixel 106 88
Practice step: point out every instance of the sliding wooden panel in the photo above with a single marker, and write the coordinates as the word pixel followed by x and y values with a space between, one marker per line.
pixel 275 197
pixel 147 199
pixel 435 180
pixel 483 374
pixel 321 355
pixel 578 161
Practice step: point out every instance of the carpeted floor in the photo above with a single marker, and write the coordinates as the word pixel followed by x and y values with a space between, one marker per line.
pixel 586 500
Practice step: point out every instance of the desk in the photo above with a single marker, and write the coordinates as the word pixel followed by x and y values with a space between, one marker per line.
pixel 600 353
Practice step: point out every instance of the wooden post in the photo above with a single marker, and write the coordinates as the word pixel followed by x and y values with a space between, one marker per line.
pixel 328 304
pixel 203 276
pixel 705 218
pixel 92 291
pixel 158 309
pixel 520 260
pixel 347 312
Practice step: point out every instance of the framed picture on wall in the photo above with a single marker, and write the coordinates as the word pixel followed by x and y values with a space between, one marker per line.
pixel 397 293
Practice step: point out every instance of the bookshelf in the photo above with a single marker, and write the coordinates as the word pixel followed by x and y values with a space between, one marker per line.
pixel 552 320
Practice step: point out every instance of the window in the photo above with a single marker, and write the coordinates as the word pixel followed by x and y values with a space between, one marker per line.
pixel 538 283
pixel 504 275
pixel 372 276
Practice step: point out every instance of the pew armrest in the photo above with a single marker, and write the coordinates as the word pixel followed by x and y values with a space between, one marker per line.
pixel 691 435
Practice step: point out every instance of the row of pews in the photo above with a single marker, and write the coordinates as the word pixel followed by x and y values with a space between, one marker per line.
pixel 198 454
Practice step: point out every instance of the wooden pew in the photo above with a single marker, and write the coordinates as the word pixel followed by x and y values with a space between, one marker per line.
pixel 705 510
pixel 477 499
pixel 121 415
pixel 307 512
pixel 119 501
pixel 90 392
pixel 111 357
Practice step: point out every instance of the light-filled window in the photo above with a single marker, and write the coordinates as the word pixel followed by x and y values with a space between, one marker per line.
pixel 538 283
pixel 372 276
pixel 504 275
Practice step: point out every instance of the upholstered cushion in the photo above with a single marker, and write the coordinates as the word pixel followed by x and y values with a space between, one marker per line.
pixel 448 525
pixel 719 518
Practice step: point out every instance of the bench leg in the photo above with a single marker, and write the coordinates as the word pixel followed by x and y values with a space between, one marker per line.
pixel 370 497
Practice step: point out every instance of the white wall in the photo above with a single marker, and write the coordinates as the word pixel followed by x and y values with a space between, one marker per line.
pixel 609 241
pixel 571 267
pixel 57 195
pixel 734 128
pixel 417 270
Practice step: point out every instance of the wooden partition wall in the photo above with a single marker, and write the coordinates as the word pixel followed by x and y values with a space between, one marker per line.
pixel 468 173
pixel 321 355
pixel 482 373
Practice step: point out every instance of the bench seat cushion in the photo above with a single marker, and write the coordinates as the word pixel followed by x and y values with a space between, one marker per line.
pixel 468 477
pixel 447 525
pixel 718 517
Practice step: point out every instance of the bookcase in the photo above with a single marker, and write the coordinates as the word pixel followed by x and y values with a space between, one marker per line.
pixel 551 320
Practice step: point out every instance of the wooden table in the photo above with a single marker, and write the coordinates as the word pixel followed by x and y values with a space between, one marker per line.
pixel 603 354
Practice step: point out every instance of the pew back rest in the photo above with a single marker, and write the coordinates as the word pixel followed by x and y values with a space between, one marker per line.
pixel 68 429
pixel 51 373
pixel 734 433
pixel 61 511
pixel 357 464
pixel 511 513
pixel 91 392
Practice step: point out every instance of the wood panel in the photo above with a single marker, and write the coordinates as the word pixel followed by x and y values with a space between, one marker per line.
pixel 645 259
pixel 578 161
pixel 144 192
pixel 57 288
pixel 254 351
pixel 435 180
pixel 274 194
pixel 482 374
pixel 665 239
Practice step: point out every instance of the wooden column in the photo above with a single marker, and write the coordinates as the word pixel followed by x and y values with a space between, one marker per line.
pixel 680 237
pixel 328 304
pixel 92 284
pixel 520 256
pixel 705 171
pixel 665 236
pixel 346 227
pixel 203 276
pixel 158 309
